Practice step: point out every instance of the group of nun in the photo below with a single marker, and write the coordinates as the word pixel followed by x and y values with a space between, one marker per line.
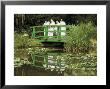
pixel 53 27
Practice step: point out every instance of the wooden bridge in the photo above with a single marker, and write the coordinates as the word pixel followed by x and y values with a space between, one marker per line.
pixel 47 33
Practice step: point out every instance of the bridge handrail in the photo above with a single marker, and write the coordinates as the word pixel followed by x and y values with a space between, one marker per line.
pixel 52 26
pixel 46 29
pixel 51 31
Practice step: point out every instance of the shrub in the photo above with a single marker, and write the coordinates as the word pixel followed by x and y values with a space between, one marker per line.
pixel 22 40
pixel 78 37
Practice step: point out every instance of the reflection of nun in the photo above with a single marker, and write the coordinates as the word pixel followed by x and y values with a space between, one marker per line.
pixel 63 28
pixel 51 28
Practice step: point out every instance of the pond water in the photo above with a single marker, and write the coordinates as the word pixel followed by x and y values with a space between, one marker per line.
pixel 53 62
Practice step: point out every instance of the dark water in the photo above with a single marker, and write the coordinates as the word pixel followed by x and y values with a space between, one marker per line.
pixel 53 63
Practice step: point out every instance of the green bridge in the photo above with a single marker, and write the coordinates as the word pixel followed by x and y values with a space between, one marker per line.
pixel 47 33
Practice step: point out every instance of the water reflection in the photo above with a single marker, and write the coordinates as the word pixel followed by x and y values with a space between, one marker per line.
pixel 51 61
pixel 55 63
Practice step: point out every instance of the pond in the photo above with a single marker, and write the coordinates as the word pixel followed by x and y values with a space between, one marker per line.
pixel 53 62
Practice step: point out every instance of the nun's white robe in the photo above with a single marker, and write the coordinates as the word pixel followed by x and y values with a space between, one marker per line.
pixel 51 29
pixel 46 24
pixel 56 28
pixel 63 28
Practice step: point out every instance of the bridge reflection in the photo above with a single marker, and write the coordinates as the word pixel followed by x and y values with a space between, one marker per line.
pixel 43 64
pixel 49 61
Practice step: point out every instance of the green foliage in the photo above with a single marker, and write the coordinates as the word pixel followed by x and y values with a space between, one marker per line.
pixel 79 36
pixel 23 40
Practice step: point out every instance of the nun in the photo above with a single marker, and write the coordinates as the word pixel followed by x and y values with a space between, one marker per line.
pixel 46 24
pixel 51 29
pixel 57 27
pixel 63 28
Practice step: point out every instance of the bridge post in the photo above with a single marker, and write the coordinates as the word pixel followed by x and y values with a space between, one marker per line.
pixel 46 32
pixel 59 33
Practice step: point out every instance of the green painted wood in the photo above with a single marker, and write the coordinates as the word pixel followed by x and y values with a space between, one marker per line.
pixel 49 31
pixel 59 33
pixel 53 26
pixel 46 33
pixel 43 37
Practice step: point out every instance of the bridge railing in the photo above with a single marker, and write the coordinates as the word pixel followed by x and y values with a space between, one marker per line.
pixel 49 32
